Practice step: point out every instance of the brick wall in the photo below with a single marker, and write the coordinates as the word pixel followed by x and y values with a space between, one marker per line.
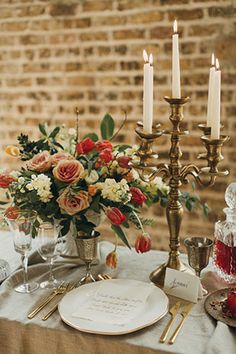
pixel 56 55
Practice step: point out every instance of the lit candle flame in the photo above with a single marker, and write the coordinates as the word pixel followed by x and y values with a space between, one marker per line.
pixel 145 56
pixel 175 27
pixel 151 59
pixel 217 64
pixel 212 59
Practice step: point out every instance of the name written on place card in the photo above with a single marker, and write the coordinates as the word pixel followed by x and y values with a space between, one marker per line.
pixel 183 285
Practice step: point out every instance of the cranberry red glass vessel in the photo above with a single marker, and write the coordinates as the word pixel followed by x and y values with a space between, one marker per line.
pixel 225 239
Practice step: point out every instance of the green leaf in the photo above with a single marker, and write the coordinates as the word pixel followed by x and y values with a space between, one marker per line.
pixel 206 209
pixel 95 204
pixel 189 205
pixel 107 127
pixel 54 133
pixel 92 136
pixel 42 129
pixel 120 233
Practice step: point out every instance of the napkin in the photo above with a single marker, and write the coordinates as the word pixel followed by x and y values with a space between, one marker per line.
pixel 114 303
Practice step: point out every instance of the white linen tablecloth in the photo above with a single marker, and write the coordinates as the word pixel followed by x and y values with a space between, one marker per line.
pixel 18 335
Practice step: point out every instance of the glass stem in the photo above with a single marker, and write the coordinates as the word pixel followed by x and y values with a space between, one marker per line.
pixel 24 260
pixel 197 272
pixel 51 275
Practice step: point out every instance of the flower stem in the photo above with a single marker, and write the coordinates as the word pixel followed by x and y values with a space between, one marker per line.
pixel 139 221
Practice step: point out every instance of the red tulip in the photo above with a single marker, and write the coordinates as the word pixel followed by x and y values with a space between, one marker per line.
pixel 115 216
pixel 143 243
pixel 85 146
pixel 137 196
pixel 123 161
pixel 112 259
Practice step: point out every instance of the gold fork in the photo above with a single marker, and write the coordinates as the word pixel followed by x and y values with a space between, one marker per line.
pixel 173 311
pixel 60 290
pixel 184 313
pixel 54 308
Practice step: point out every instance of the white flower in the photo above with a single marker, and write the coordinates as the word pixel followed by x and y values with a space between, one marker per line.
pixel 92 177
pixel 21 180
pixel 155 185
pixel 72 132
pixel 42 184
pixel 29 186
pixel 131 151
pixel 115 191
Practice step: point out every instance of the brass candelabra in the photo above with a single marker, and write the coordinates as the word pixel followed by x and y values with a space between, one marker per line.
pixel 175 174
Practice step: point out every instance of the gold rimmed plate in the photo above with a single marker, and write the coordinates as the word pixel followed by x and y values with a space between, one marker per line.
pixel 214 308
pixel 155 308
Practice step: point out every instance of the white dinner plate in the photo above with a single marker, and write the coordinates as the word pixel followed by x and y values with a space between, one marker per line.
pixel 155 308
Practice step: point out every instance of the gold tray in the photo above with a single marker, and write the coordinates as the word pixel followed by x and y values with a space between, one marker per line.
pixel 213 306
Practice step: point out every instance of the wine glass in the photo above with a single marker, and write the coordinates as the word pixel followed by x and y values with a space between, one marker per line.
pixel 21 226
pixel 198 251
pixel 87 252
pixel 47 247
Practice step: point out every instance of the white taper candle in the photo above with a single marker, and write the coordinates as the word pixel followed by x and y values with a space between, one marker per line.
pixel 210 92
pixel 176 91
pixel 215 128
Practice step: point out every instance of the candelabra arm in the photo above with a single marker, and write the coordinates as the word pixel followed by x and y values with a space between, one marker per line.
pixel 195 172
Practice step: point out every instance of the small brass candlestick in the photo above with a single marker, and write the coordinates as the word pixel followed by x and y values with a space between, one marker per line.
pixel 176 175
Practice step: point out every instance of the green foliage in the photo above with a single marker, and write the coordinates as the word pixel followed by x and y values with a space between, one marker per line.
pixel 92 136
pixel 107 127
pixel 120 233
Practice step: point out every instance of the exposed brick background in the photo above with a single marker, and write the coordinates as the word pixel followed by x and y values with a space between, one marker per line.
pixel 56 55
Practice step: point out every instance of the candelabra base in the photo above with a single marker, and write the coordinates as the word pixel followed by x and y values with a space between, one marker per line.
pixel 158 275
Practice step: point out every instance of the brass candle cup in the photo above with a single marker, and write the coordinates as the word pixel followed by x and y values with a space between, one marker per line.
pixel 214 155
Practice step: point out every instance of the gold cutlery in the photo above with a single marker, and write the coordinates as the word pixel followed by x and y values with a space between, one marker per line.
pixel 173 311
pixel 184 313
pixel 60 290
pixel 54 308
pixel 103 277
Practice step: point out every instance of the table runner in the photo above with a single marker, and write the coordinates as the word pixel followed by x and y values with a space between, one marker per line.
pixel 200 334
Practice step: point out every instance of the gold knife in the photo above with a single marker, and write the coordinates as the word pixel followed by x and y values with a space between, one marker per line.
pixel 184 313
pixel 173 311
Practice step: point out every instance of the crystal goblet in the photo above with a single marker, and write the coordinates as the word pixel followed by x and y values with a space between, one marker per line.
pixel 198 251
pixel 87 252
pixel 21 226
pixel 47 247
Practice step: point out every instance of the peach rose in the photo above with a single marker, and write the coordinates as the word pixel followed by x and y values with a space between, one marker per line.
pixel 12 150
pixel 72 204
pixel 68 171
pixel 40 162
pixel 60 156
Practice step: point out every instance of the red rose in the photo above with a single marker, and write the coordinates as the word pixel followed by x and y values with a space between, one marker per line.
pixel 6 180
pixel 85 146
pixel 123 161
pixel 143 243
pixel 106 156
pixel 68 171
pixel 104 144
pixel 112 259
pixel 137 196
pixel 115 216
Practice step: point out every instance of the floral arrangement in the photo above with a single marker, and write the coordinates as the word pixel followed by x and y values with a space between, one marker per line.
pixel 77 181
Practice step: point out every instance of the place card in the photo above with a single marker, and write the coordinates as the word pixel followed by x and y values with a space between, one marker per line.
pixel 183 285
pixel 111 303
